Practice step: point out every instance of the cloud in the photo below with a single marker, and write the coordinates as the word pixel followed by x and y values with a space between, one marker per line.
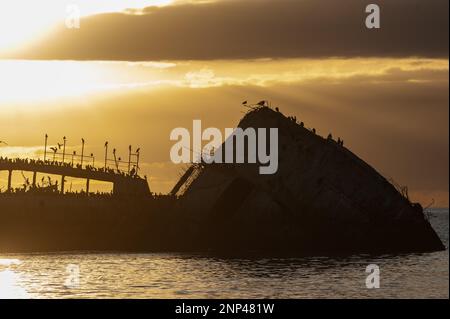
pixel 58 80
pixel 253 29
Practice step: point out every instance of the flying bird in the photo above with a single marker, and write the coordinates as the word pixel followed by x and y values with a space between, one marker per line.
pixel 54 149
pixel 138 150
pixel 3 142
pixel 244 103
pixel 59 145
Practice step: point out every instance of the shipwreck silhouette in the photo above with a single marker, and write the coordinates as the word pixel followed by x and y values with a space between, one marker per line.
pixel 322 200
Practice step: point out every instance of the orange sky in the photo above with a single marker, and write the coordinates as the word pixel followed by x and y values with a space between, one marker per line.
pixel 389 102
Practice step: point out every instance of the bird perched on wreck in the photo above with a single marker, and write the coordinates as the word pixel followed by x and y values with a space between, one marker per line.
pixel 261 103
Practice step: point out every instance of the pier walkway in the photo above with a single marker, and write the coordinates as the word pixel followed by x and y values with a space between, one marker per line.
pixel 123 183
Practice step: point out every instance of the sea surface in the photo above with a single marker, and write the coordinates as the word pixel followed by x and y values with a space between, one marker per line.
pixel 91 275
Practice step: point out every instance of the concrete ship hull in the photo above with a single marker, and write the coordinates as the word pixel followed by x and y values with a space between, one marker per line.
pixel 39 223
pixel 31 223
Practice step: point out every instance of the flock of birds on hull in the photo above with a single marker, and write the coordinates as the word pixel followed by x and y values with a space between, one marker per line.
pixel 265 103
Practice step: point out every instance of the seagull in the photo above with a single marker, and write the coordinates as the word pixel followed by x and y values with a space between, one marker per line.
pixel 54 149
pixel 137 151
pixel 244 103
pixel 3 142
pixel 262 103
pixel 59 145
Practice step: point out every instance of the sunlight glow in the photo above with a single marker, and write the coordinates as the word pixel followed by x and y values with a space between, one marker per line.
pixel 9 280
pixel 24 21
pixel 44 81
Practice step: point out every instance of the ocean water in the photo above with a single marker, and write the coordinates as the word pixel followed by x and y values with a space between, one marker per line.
pixel 196 276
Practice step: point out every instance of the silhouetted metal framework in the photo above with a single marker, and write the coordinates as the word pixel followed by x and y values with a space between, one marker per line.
pixel 126 182
pixel 122 184
pixel 75 159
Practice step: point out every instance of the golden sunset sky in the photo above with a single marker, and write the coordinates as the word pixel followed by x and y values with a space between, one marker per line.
pixel 135 70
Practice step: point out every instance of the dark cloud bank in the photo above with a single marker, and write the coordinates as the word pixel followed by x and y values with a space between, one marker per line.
pixel 250 29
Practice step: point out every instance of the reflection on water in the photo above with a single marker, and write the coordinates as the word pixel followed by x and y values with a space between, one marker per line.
pixel 194 276
pixel 9 280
